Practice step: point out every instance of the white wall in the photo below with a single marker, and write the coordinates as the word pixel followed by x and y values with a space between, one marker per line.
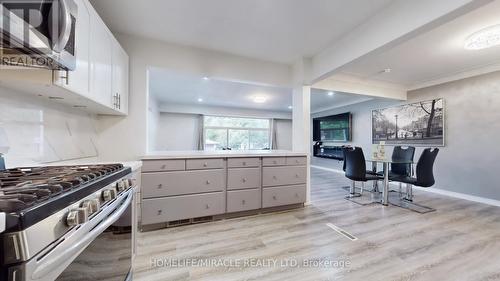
pixel 41 131
pixel 223 111
pixel 468 162
pixel 284 134
pixel 177 131
pixel 145 53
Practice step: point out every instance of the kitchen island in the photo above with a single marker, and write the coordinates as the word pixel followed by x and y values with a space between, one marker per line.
pixel 184 187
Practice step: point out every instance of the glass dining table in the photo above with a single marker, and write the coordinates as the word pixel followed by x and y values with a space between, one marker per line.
pixel 385 164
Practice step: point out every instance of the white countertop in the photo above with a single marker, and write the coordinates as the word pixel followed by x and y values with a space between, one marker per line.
pixel 134 165
pixel 157 155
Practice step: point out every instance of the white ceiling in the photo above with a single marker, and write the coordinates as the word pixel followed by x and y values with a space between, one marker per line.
pixel 277 30
pixel 322 101
pixel 171 87
pixel 434 55
pixel 175 88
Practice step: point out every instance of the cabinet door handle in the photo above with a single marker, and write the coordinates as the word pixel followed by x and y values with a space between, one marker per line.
pixel 207 206
pixel 163 167
pixel 159 212
pixel 244 179
pixel 205 164
pixel 297 176
pixel 119 101
pixel 297 195
pixel 244 163
pixel 243 202
pixel 275 178
pixel 274 197
pixel 160 186
pixel 66 77
pixel 208 182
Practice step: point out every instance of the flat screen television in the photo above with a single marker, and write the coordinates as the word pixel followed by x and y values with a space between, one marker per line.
pixel 333 128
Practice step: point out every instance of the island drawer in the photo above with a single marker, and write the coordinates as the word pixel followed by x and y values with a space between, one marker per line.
pixel 285 175
pixel 183 182
pixel 243 178
pixel 202 164
pixel 243 200
pixel 283 195
pixel 296 161
pixel 243 162
pixel 182 207
pixel 163 165
pixel 273 161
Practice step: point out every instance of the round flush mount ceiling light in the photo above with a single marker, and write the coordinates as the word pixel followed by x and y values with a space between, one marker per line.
pixel 484 38
pixel 200 100
pixel 206 78
pixel 290 107
pixel 259 99
pixel 331 93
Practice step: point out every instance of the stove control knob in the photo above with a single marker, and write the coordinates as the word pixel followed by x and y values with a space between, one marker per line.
pixel 77 216
pixel 92 206
pixel 108 195
pixel 120 186
pixel 131 182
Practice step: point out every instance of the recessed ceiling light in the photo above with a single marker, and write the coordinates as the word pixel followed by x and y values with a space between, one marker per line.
pixel 331 93
pixel 206 78
pixel 200 100
pixel 290 107
pixel 387 70
pixel 484 38
pixel 259 99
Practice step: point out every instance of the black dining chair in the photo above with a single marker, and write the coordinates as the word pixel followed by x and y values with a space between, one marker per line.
pixel 355 170
pixel 403 154
pixel 424 178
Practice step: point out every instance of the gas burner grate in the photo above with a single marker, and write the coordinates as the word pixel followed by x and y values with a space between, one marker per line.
pixel 21 188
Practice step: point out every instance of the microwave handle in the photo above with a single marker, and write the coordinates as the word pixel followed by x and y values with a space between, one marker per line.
pixel 63 37
pixel 49 265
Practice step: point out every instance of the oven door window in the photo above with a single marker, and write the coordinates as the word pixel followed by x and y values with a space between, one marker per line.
pixel 107 258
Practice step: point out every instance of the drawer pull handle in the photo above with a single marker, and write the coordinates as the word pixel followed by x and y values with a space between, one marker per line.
pixel 297 176
pixel 163 166
pixel 275 162
pixel 274 197
pixel 160 186
pixel 208 182
pixel 205 164
pixel 243 202
pixel 159 212
pixel 297 161
pixel 244 179
pixel 244 163
pixel 297 195
pixel 275 178
pixel 207 206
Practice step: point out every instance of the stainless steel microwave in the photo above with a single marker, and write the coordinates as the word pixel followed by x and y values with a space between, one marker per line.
pixel 38 33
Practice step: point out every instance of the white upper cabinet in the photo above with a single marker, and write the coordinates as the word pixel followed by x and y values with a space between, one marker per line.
pixel 101 45
pixel 119 99
pixel 99 83
pixel 78 80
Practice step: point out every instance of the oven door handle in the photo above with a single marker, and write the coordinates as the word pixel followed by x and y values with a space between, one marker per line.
pixel 50 265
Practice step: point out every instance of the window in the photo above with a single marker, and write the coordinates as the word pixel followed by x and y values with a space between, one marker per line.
pixel 236 133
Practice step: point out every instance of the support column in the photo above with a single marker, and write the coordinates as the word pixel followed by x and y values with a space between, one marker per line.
pixel 301 130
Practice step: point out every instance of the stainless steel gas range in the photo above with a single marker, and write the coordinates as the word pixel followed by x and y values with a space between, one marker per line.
pixel 67 223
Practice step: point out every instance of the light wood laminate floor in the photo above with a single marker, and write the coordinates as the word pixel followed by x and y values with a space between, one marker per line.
pixel 461 241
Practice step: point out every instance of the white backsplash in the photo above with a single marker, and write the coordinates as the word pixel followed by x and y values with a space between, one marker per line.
pixel 42 131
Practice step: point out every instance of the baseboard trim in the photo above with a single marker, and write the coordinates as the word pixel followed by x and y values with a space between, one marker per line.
pixel 448 193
